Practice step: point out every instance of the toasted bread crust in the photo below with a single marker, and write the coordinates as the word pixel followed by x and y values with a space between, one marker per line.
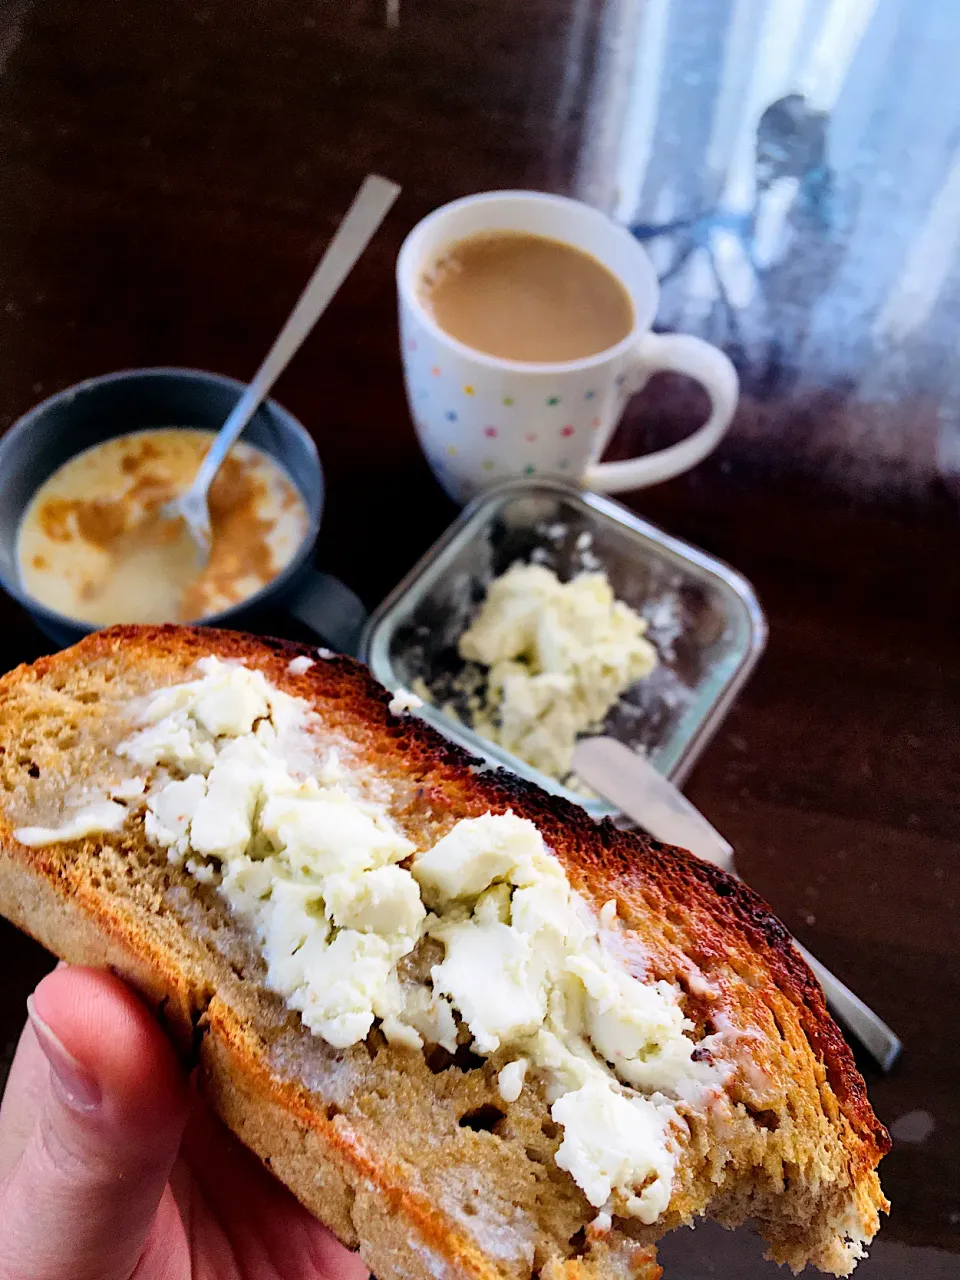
pixel 685 913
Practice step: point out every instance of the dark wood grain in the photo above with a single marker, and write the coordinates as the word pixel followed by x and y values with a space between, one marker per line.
pixel 171 172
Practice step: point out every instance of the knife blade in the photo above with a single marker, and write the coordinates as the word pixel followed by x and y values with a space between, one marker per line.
pixel 630 782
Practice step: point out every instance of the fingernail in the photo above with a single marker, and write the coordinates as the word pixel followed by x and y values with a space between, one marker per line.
pixel 76 1086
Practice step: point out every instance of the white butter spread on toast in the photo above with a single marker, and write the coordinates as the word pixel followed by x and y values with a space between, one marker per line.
pixel 243 798
pixel 95 819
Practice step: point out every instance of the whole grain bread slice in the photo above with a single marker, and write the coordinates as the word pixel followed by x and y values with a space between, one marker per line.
pixel 413 1157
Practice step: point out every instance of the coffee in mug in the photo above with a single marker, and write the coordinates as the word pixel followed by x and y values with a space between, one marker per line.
pixel 526 297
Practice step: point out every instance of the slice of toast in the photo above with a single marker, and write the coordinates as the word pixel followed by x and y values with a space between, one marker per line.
pixel 413 1156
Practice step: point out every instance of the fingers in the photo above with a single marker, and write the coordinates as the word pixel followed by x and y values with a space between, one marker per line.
pixel 265 1223
pixel 25 1083
pixel 97 1125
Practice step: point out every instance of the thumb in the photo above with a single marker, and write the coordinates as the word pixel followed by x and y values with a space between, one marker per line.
pixel 100 1115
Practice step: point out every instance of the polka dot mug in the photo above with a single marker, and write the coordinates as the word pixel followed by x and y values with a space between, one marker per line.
pixel 482 419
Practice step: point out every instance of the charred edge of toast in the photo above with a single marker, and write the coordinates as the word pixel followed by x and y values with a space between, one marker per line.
pixel 599 846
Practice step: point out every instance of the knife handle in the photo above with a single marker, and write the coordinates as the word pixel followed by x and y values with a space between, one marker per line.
pixel 870 1029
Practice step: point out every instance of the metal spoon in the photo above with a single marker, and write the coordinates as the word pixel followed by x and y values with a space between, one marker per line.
pixel 631 783
pixel 369 208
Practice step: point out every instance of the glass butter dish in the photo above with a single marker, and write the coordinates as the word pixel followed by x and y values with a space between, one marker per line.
pixel 703 618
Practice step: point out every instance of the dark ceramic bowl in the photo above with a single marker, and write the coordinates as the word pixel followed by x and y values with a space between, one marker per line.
pixel 117 403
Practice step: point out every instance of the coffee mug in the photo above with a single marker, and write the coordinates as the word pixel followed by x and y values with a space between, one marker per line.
pixel 482 419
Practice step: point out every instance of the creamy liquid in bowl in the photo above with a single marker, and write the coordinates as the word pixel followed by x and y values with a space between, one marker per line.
pixel 91 544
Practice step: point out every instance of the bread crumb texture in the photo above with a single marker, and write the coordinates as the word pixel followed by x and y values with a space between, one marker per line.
pixel 413 1156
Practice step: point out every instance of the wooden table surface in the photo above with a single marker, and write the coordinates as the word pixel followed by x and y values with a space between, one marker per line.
pixel 171 173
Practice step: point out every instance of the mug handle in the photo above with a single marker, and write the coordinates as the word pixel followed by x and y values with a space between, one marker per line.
pixel 674 353
pixel 330 609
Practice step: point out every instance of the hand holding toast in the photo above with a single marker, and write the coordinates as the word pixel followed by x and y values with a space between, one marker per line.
pixel 419 1159
pixel 110 1166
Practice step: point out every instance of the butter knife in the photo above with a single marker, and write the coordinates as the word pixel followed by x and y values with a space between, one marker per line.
pixel 631 783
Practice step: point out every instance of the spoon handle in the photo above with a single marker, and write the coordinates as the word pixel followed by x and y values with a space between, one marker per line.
pixel 369 208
